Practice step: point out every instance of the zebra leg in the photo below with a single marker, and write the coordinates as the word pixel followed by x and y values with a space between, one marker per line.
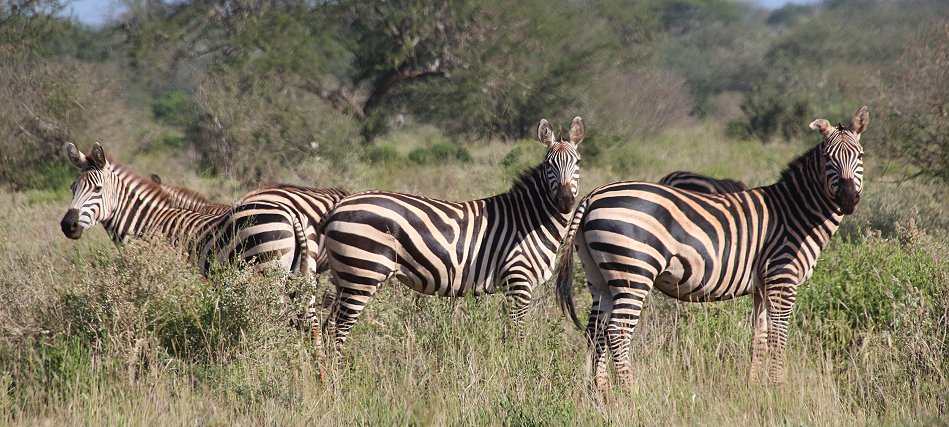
pixel 759 337
pixel 628 298
pixel 596 335
pixel 517 295
pixel 351 299
pixel 780 300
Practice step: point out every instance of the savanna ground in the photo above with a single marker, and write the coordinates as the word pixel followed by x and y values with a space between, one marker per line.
pixel 94 334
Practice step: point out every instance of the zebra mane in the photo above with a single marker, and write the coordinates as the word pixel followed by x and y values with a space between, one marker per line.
pixel 799 163
pixel 525 176
pixel 186 192
pixel 140 183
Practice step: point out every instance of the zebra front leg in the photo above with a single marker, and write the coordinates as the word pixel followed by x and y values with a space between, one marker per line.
pixel 517 297
pixel 780 301
pixel 759 337
pixel 628 299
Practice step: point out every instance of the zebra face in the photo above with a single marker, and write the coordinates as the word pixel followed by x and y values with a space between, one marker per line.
pixel 92 194
pixel 842 155
pixel 562 164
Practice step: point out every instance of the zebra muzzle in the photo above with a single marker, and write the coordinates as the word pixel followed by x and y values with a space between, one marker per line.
pixel 847 197
pixel 70 224
pixel 565 199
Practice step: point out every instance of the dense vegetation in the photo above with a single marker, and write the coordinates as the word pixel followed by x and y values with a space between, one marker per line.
pixel 436 97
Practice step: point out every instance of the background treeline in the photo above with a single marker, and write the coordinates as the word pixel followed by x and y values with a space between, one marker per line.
pixel 249 88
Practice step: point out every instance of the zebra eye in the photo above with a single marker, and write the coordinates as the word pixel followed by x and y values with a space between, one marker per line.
pixel 860 156
pixel 97 188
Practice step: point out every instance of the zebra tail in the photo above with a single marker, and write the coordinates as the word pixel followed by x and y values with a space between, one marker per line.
pixel 565 267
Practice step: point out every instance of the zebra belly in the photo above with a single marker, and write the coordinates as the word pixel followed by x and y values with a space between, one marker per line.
pixel 683 280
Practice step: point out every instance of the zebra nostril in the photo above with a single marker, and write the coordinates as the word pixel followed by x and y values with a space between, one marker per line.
pixel 70 224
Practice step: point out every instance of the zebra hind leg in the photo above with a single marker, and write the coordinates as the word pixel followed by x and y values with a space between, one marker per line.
pixel 628 299
pixel 600 310
pixel 759 338
pixel 351 299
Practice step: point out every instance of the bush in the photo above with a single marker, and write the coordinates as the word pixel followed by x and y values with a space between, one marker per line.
pixel 439 152
pixel 47 112
pixel 918 122
pixel 382 153
pixel 872 284
pixel 147 300
pixel 175 108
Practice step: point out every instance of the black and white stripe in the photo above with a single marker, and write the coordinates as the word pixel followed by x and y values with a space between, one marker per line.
pixel 633 236
pixel 701 183
pixel 269 226
pixel 505 243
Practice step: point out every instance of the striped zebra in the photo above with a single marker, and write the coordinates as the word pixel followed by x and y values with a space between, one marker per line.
pixel 312 202
pixel 701 183
pixel 632 236
pixel 504 243
pixel 261 233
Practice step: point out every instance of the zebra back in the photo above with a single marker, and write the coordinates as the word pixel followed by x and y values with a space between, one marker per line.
pixel 702 184
pixel 186 198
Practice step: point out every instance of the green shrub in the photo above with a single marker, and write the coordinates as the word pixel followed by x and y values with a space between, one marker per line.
pixel 872 284
pixel 382 153
pixel 175 108
pixel 438 153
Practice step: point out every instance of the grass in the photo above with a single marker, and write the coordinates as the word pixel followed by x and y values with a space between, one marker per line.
pixel 92 334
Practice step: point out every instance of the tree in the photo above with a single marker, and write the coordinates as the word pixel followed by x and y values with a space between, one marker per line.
pixel 919 105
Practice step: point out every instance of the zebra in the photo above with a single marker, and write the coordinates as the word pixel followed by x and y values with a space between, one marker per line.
pixel 632 236
pixel 311 202
pixel 260 233
pixel 505 243
pixel 701 183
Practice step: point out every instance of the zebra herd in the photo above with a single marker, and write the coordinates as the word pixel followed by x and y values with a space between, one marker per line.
pixel 693 237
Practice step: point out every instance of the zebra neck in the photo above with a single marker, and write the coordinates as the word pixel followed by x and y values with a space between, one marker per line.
pixel 142 209
pixel 532 204
pixel 801 205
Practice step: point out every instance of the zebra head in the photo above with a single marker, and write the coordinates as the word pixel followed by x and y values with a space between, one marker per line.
pixel 93 192
pixel 562 163
pixel 842 157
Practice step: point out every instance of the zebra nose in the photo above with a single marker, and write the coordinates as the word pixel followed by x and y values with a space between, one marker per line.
pixel 70 224
pixel 565 199
pixel 847 197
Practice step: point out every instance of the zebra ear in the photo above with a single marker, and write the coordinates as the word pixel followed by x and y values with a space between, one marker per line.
pixel 545 134
pixel 98 157
pixel 75 156
pixel 576 130
pixel 821 125
pixel 861 120
pixel 156 178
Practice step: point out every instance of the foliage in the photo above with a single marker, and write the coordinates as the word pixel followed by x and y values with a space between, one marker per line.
pixel 919 111
pixel 45 101
pixel 175 108
pixel 532 62
pixel 439 153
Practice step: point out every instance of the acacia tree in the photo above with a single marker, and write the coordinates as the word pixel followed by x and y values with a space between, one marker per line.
pixel 391 44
